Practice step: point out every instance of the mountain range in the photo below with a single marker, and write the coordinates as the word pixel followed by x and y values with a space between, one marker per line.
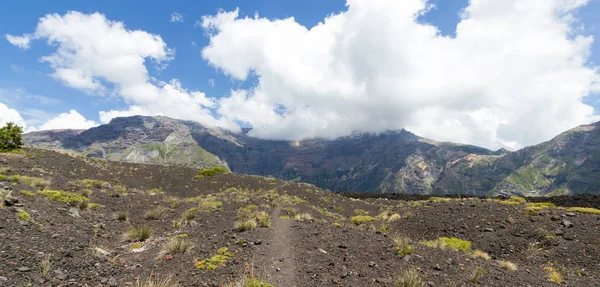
pixel 388 162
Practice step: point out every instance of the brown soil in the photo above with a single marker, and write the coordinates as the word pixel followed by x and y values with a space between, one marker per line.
pixel 327 251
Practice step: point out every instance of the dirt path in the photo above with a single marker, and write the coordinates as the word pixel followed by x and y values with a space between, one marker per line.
pixel 278 259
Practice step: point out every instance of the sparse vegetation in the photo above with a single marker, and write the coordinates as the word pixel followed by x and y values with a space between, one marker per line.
pixel 554 275
pixel 121 215
pixel 587 210
pixel 449 242
pixel 480 254
pixel 94 183
pixel 245 225
pixel 264 220
pixel 167 281
pixel 409 278
pixel 36 182
pixel 403 245
pixel 360 219
pixel 304 217
pixel 70 198
pixel 27 193
pixel 507 265
pixel 23 215
pixel 218 260
pixel 212 172
pixel 177 245
pixel 45 265
pixel 139 234
pixel 477 274
pixel 155 213
pixel 154 191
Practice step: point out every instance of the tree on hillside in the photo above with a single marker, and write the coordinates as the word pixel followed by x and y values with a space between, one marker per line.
pixel 11 137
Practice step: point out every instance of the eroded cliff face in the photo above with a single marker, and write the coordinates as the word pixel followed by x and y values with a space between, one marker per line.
pixel 391 162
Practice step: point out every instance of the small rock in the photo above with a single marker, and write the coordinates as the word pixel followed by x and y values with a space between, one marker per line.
pixel 277 269
pixel 372 264
pixel 489 229
pixel 24 269
pixel 62 276
pixel 558 232
pixel 566 223
pixel 437 267
pixel 112 282
pixel 3 279
pixel 555 218
pixel 570 214
pixel 74 212
pixel 407 258
pixel 322 251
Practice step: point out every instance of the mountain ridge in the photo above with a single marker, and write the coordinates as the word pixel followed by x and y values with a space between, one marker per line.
pixel 387 162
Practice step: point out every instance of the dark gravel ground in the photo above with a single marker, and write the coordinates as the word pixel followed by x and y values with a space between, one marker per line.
pixel 327 250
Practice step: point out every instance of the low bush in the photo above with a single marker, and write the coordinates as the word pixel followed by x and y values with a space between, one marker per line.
pixel 403 246
pixel 212 171
pixel 70 198
pixel 304 217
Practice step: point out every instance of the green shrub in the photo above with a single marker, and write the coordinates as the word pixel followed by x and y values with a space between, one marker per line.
pixel 212 171
pixel 264 220
pixel 11 137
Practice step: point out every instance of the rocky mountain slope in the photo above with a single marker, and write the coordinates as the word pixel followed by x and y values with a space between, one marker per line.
pixel 68 220
pixel 391 162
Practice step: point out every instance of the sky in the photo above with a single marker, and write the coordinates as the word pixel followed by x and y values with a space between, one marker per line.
pixel 493 73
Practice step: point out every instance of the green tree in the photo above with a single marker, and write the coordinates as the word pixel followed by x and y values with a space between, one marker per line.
pixel 11 137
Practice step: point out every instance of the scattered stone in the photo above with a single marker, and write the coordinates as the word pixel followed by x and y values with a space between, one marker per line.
pixel 322 251
pixel 277 269
pixel 558 232
pixel 437 267
pixel 570 214
pixel 24 269
pixel 74 212
pixel 407 258
pixel 62 276
pixel 3 279
pixel 372 264
pixel 112 281
pixel 555 218
pixel 489 229
pixel 566 223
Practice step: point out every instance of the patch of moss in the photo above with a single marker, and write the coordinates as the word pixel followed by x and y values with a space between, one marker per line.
pixel 218 260
pixel 154 191
pixel 65 197
pixel 212 171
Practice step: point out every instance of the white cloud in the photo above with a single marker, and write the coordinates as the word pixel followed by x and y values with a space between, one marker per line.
pixel 211 83
pixel 514 75
pixel 10 115
pixel 96 55
pixel 19 41
pixel 176 18
pixel 70 120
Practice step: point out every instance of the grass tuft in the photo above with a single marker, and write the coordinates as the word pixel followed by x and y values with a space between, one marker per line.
pixel 304 217
pixel 167 281
pixel 218 260
pixel 477 274
pixel 449 242
pixel 587 210
pixel 264 220
pixel 23 215
pixel 65 197
pixel 45 265
pixel 156 213
pixel 403 246
pixel 177 245
pixel 409 278
pixel 139 234
pixel 360 219
pixel 507 265
pixel 245 225
pixel 480 254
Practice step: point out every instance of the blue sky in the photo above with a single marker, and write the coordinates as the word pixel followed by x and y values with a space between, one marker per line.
pixel 27 84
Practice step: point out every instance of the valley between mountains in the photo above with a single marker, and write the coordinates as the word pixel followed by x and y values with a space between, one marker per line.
pixel 396 162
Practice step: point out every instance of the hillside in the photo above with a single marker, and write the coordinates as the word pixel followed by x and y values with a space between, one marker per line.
pixel 76 221
pixel 391 162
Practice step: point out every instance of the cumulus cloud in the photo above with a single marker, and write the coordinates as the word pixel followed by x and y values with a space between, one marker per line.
pixel 70 120
pixel 515 74
pixel 10 115
pixel 19 41
pixel 176 18
pixel 99 56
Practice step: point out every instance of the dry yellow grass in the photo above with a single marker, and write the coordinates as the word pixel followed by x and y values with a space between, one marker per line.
pixel 507 265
